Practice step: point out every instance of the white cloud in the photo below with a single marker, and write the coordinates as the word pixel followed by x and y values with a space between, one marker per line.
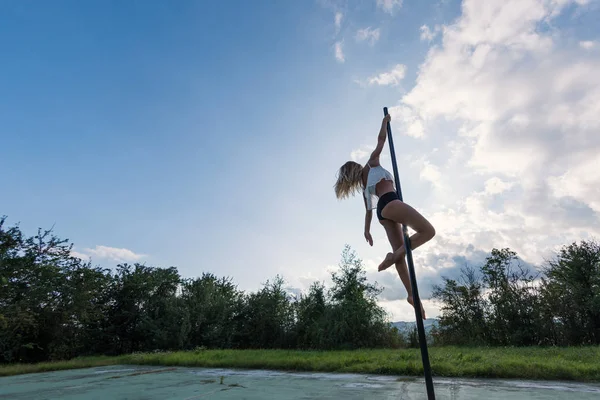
pixel 392 77
pixel 113 253
pixel 408 120
pixel 82 256
pixel 401 310
pixel 339 52
pixel 361 153
pixel 587 44
pixel 338 21
pixel 389 6
pixel 496 185
pixel 581 182
pixel 427 34
pixel 431 173
pixel 479 78
pixel 427 171
pixel 367 34
pixel 517 107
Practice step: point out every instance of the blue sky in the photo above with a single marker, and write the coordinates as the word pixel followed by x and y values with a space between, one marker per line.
pixel 207 135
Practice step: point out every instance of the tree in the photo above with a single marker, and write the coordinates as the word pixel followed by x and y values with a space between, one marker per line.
pixel 267 319
pixel 144 313
pixel 571 290
pixel 312 312
pixel 355 320
pixel 513 300
pixel 35 313
pixel 462 319
pixel 212 304
pixel 85 294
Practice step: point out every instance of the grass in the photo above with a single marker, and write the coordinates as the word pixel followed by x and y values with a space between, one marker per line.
pixel 83 362
pixel 572 363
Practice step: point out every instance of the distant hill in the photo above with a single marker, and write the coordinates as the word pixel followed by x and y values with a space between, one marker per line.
pixel 404 326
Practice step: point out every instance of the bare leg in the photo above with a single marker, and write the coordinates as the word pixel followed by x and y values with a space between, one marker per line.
pixel 402 269
pixel 402 213
pixel 396 238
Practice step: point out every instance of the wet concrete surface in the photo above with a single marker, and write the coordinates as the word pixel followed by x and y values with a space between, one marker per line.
pixel 179 383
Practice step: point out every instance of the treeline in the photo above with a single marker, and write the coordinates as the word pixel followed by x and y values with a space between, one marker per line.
pixel 504 303
pixel 55 306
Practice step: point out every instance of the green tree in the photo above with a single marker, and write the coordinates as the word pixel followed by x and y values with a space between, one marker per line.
pixel 462 319
pixel 355 319
pixel 266 319
pixel 85 295
pixel 513 300
pixel 213 304
pixel 312 312
pixel 35 317
pixel 571 291
pixel 144 312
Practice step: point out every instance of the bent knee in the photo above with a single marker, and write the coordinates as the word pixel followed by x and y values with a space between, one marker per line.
pixel 430 232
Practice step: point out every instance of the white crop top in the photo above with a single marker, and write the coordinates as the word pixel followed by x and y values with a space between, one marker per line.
pixel 376 174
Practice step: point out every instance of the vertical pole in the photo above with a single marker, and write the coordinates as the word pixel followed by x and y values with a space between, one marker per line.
pixel 413 277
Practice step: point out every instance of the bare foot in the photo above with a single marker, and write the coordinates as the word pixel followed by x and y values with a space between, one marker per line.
pixel 412 303
pixel 387 262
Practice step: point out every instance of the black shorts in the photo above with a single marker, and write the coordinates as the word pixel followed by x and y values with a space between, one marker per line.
pixel 383 201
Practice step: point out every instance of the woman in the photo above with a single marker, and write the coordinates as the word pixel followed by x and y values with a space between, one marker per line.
pixel 377 183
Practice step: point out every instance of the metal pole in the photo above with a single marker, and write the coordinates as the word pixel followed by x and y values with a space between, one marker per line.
pixel 413 277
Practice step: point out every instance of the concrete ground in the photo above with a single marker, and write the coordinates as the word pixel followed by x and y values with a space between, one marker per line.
pixel 154 383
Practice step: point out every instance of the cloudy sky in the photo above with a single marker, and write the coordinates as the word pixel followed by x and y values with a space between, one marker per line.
pixel 207 135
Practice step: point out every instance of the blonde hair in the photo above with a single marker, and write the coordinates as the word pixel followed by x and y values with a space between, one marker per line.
pixel 349 180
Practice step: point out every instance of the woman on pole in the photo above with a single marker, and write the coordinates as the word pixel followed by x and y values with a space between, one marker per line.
pixel 377 185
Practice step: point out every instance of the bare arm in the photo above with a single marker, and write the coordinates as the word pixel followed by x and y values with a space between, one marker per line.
pixel 368 218
pixel 380 139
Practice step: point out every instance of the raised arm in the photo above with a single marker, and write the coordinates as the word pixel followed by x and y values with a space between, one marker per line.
pixel 380 139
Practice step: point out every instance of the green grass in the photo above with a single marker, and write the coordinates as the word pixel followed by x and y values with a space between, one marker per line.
pixel 83 362
pixel 574 363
